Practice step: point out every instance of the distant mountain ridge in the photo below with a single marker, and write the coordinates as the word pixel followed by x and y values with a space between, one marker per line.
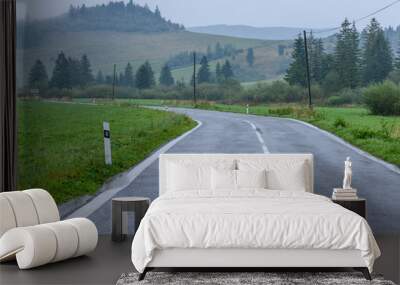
pixel 250 32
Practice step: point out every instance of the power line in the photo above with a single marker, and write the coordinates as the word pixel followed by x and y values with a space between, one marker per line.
pixel 360 19
pixel 378 11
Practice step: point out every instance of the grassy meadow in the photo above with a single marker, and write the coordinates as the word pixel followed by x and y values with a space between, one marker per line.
pixel 378 135
pixel 61 145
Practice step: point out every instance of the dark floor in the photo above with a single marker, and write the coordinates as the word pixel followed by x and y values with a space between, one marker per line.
pixel 110 260
pixel 104 266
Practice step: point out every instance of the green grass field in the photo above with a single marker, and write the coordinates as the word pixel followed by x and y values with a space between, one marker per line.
pixel 378 135
pixel 61 145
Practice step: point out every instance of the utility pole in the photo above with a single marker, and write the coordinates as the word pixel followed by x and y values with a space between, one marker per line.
pixel 113 89
pixel 308 71
pixel 194 79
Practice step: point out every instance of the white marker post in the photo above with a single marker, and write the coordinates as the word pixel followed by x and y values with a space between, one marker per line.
pixel 247 109
pixel 107 143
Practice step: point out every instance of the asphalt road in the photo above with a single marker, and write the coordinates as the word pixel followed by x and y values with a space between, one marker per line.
pixel 237 133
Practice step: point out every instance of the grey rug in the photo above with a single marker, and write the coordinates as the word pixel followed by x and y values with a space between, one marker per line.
pixel 268 278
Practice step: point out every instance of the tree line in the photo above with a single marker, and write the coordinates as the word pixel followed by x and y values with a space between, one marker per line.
pixel 118 16
pixel 213 53
pixel 69 72
pixel 114 16
pixel 222 72
pixel 185 58
pixel 359 59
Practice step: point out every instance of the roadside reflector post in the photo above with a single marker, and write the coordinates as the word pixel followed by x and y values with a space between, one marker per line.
pixel 107 143
pixel 247 109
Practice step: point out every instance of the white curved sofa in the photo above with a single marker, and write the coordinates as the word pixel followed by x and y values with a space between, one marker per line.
pixel 31 231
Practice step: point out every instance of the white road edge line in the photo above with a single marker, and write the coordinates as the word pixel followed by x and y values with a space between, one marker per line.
pixel 130 176
pixel 260 139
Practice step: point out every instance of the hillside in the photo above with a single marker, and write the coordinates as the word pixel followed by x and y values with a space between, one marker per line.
pixel 243 31
pixel 268 64
pixel 284 33
pixel 114 16
pixel 104 48
pixel 118 33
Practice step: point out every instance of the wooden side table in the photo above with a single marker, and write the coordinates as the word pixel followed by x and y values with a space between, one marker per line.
pixel 120 208
pixel 358 206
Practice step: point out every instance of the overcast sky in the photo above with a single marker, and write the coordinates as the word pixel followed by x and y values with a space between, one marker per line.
pixel 288 13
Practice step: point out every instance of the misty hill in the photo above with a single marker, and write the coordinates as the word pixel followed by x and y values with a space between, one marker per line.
pixel 114 16
pixel 118 33
pixel 106 48
pixel 249 32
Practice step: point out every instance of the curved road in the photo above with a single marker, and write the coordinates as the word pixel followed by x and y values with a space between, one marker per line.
pixel 236 133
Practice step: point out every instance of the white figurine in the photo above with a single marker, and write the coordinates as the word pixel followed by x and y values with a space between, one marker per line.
pixel 348 172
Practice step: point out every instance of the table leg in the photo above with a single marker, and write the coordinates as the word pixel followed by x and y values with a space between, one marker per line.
pixel 117 221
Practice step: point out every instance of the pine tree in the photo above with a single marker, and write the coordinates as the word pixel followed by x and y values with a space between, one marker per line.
pixel 395 74
pixel 86 71
pixel 347 60
pixel 109 80
pixel 60 78
pixel 150 73
pixel 296 74
pixel 328 67
pixel 219 51
pixel 128 76
pixel 227 71
pixel 38 78
pixel 145 76
pixel 250 56
pixel 75 73
pixel 166 78
pixel 355 70
pixel 83 10
pixel 203 74
pixel 72 11
pixel 397 61
pixel 377 57
pixel 121 79
pixel 316 60
pixel 157 12
pixel 218 72
pixel 130 4
pixel 100 77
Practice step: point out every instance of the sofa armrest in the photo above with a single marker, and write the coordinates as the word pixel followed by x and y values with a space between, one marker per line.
pixel 32 246
pixel 41 244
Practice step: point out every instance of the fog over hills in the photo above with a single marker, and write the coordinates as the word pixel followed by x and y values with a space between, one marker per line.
pixel 263 33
